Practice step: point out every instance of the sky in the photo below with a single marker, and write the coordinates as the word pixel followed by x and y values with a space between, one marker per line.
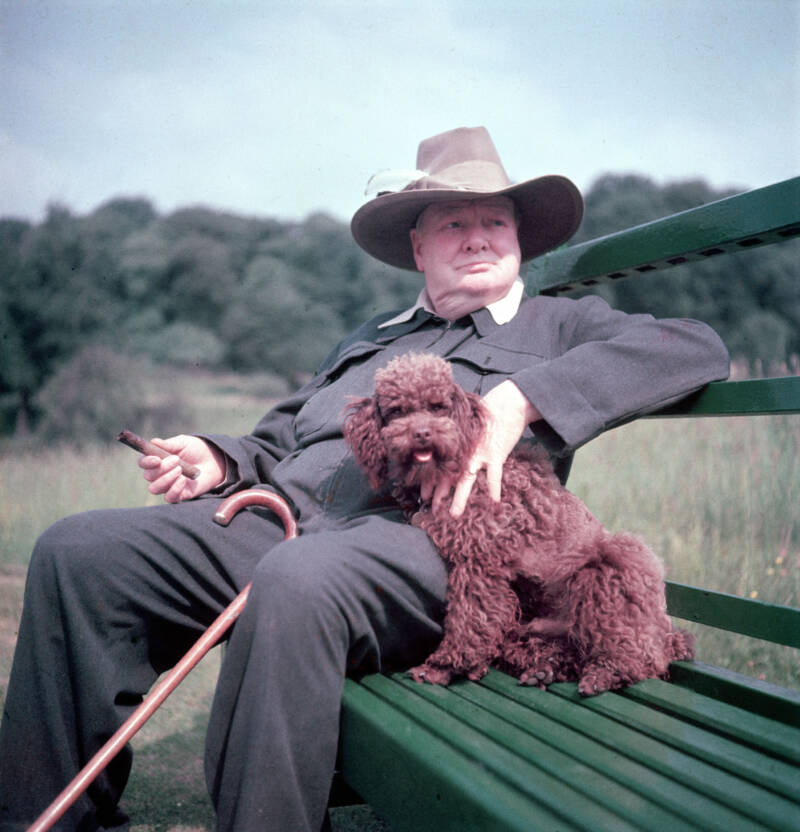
pixel 280 109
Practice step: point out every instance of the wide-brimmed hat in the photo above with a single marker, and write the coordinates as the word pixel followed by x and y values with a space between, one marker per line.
pixel 462 164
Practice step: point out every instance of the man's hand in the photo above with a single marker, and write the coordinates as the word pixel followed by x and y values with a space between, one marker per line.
pixel 165 477
pixel 509 414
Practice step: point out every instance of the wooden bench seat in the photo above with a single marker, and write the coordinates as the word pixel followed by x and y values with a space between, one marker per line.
pixel 495 755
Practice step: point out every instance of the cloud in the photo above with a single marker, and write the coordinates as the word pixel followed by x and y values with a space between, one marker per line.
pixel 282 109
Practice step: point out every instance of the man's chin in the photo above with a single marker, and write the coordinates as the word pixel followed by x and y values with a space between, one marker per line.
pixel 474 291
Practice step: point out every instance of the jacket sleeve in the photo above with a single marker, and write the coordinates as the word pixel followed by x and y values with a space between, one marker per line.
pixel 611 367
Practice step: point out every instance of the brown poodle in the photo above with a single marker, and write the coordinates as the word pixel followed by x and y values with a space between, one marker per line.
pixel 537 586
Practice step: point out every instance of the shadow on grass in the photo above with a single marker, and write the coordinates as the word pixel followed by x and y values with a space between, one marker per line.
pixel 167 786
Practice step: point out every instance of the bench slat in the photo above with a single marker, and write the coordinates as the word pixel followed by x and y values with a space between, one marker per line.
pixel 724 685
pixel 759 217
pixel 758 396
pixel 419 781
pixel 770 622
pixel 728 720
pixel 739 802
pixel 494 717
pixel 682 728
pixel 632 781
pixel 751 795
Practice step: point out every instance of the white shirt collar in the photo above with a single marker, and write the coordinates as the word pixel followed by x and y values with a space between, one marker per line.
pixel 502 311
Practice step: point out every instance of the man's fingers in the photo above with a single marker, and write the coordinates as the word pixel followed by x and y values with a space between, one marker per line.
pixel 509 412
pixel 174 444
pixel 494 479
pixel 163 483
pixel 176 491
pixel 461 494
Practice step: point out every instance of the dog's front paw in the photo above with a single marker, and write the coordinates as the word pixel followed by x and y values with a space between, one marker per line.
pixel 477 673
pixel 537 678
pixel 598 680
pixel 432 675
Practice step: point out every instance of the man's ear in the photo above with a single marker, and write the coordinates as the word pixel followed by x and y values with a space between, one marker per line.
pixel 416 248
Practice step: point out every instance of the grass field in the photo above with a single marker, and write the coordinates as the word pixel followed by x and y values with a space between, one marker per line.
pixel 716 498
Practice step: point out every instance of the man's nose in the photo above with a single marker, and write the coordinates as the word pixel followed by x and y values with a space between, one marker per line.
pixel 475 239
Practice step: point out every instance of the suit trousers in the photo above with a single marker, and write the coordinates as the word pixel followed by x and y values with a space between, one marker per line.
pixel 115 597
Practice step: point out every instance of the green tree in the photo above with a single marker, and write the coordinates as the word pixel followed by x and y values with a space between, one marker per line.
pixel 96 392
pixel 271 324
pixel 57 297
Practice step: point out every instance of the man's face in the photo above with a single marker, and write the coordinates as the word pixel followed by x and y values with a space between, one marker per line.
pixel 469 252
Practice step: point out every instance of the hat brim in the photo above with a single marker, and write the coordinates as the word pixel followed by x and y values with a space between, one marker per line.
pixel 550 209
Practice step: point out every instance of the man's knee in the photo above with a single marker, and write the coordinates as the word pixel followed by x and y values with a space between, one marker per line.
pixel 325 588
pixel 67 542
pixel 76 551
pixel 297 575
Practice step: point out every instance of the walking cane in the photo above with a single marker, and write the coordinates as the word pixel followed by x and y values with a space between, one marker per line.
pixel 227 509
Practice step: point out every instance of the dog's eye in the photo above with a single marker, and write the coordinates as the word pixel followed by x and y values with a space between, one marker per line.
pixel 391 413
pixel 437 407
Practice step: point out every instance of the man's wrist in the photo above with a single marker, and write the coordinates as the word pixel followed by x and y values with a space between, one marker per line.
pixel 531 412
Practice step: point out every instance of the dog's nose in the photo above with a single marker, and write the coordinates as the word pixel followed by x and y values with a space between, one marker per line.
pixel 422 434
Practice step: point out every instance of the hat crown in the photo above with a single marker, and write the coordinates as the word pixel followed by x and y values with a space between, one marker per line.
pixel 462 159
pixel 464 144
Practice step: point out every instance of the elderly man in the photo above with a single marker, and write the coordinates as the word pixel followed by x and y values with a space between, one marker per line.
pixel 115 597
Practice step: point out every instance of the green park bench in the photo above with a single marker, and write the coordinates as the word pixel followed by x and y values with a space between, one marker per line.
pixel 710 749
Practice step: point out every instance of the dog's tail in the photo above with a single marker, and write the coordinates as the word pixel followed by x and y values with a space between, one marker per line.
pixel 680 645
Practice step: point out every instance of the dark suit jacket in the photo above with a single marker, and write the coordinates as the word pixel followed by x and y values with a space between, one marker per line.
pixel 585 366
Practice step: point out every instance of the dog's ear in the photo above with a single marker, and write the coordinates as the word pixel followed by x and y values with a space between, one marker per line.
pixel 470 413
pixel 362 433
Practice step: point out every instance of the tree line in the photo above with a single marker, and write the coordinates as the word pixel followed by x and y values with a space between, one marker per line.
pixel 200 287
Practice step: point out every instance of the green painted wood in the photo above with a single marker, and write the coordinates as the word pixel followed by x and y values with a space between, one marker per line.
pixel 754 730
pixel 682 732
pixel 761 396
pixel 438 713
pixel 719 756
pixel 636 791
pixel 525 735
pixel 770 622
pixel 420 781
pixel 726 796
pixel 655 750
pixel 724 685
pixel 744 221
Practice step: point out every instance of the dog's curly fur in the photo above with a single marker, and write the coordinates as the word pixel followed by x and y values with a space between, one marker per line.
pixel 537 586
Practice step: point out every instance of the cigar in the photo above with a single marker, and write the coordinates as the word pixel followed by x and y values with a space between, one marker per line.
pixel 130 439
